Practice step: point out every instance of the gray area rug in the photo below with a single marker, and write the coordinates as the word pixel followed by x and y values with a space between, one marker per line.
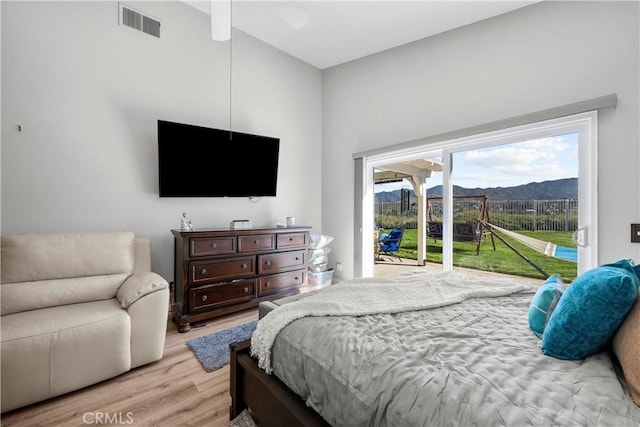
pixel 242 420
pixel 212 351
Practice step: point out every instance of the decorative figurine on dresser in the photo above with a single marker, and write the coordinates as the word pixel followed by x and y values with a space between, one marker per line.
pixel 185 223
pixel 219 271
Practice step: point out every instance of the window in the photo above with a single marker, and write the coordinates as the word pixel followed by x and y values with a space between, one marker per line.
pixel 583 125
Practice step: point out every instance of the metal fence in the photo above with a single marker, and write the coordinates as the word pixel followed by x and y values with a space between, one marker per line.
pixel 537 215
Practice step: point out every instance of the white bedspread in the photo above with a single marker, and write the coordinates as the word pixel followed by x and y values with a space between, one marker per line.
pixel 416 290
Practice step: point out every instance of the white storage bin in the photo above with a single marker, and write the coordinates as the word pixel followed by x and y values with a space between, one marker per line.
pixel 321 279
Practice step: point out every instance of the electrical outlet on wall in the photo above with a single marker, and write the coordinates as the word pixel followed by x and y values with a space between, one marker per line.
pixel 635 233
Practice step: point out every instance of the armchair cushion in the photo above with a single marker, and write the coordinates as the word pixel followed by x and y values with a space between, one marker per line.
pixel 24 296
pixel 31 257
pixel 55 350
pixel 48 270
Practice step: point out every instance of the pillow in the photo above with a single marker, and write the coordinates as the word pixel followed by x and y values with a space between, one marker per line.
pixel 590 311
pixel 319 241
pixel 625 346
pixel 544 302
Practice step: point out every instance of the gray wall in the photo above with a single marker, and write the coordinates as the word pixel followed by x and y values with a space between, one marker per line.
pixel 88 93
pixel 539 57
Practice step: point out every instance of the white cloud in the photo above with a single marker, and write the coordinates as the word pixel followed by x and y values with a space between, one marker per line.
pixel 513 164
pixel 544 149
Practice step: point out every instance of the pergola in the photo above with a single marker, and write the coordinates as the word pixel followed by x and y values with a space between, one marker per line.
pixel 416 172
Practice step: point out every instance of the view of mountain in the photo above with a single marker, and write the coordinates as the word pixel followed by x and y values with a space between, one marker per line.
pixel 548 190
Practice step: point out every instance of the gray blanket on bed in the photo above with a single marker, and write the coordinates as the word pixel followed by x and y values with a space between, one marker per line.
pixel 472 363
pixel 415 290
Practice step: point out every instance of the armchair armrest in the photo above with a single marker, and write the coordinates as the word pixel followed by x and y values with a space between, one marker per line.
pixel 138 285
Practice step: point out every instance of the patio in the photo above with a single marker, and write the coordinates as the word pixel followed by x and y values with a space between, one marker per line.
pixel 385 268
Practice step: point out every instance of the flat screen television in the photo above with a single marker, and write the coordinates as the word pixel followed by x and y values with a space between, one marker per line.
pixel 196 161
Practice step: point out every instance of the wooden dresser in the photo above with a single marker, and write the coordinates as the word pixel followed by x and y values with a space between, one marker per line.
pixel 219 271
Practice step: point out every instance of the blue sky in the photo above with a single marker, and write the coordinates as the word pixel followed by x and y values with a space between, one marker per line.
pixel 509 165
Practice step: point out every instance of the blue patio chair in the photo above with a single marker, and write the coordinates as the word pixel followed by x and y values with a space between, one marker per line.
pixel 390 244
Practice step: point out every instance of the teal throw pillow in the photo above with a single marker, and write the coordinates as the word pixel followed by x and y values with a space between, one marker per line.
pixel 544 302
pixel 591 310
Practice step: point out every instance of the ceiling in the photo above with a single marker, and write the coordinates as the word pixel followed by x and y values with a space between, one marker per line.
pixel 334 32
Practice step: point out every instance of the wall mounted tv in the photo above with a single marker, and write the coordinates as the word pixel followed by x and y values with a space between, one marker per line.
pixel 195 161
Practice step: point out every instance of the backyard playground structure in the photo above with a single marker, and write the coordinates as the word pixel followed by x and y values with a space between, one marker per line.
pixel 514 215
pixel 474 221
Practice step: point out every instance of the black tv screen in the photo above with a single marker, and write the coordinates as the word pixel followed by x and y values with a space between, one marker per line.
pixel 195 161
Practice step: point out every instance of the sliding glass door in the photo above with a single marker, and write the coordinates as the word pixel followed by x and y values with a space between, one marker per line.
pixel 487 199
pixel 515 207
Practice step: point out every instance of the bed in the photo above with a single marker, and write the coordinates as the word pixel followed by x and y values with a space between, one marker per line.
pixel 464 360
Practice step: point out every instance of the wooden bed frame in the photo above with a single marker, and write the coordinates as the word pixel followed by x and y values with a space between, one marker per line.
pixel 270 401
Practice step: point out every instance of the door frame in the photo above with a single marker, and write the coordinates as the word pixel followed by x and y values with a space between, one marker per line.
pixel 584 124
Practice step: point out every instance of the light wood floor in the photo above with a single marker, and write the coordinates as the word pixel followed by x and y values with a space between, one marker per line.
pixel 174 391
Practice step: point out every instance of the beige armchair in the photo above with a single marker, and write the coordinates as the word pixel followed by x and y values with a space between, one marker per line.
pixel 77 309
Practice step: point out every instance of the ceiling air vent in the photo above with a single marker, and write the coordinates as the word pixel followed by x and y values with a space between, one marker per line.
pixel 139 21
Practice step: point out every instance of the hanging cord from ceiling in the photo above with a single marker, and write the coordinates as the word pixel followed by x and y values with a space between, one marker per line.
pixel 230 68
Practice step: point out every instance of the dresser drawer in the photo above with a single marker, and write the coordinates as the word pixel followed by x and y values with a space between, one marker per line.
pixel 257 242
pixel 212 246
pixel 276 282
pixel 292 240
pixel 206 271
pixel 269 263
pixel 222 293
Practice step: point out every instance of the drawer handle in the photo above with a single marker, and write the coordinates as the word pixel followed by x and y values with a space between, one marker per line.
pixel 291 239
pixel 296 278
pixel 256 242
pixel 213 246
pixel 297 258
pixel 245 290
pixel 204 298
pixel 244 265
pixel 203 271
pixel 267 285
pixel 267 262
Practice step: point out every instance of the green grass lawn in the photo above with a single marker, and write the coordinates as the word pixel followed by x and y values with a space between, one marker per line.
pixel 500 260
